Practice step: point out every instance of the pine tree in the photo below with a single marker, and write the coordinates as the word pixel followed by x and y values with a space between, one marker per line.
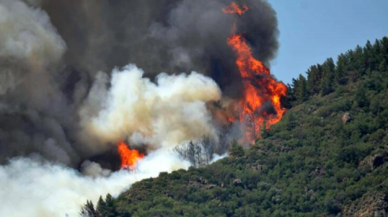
pixel 384 48
pixel 106 208
pixel 314 75
pixel 88 210
pixel 110 207
pixel 368 57
pixel 327 83
pixel 383 61
pixel 101 207
pixel 339 75
pixel 295 86
pixel 358 60
pixel 301 91
pixel 289 98
pixel 377 55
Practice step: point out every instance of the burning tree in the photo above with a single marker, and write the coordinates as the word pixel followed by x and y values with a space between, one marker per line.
pixel 261 102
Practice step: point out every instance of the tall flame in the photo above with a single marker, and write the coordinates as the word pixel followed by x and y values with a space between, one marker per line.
pixel 129 158
pixel 260 88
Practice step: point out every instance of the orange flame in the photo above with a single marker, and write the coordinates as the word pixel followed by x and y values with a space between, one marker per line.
pixel 235 9
pixel 129 158
pixel 260 88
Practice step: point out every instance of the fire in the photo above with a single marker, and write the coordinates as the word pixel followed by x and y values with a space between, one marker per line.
pixel 235 9
pixel 260 88
pixel 129 158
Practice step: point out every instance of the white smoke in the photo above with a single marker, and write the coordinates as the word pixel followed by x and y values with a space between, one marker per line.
pixel 159 115
pixel 162 115
pixel 27 35
pixel 34 188
pixel 166 113
pixel 28 42
pixel 217 157
pixel 93 169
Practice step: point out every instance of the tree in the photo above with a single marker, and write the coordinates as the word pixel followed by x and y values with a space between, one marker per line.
pixel 312 164
pixel 314 75
pixel 360 97
pixel 384 48
pixel 291 121
pixel 236 150
pixel 332 206
pixel 358 62
pixel 198 153
pixel 301 90
pixel 377 55
pixel 88 210
pixel 110 207
pixel 369 57
pixel 289 98
pixel 192 154
pixel 209 148
pixel 339 75
pixel 327 82
pixel 105 208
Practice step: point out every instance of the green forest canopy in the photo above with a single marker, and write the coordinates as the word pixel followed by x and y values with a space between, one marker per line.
pixel 327 157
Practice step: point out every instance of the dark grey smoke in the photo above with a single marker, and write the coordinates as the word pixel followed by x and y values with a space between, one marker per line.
pixel 161 35
pixel 39 106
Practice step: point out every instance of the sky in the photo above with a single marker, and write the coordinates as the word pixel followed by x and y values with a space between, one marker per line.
pixel 314 30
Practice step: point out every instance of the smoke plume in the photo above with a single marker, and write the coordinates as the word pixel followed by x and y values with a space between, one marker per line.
pixel 54 52
pixel 33 110
pixel 163 35
pixel 37 188
pixel 162 114
pixel 76 77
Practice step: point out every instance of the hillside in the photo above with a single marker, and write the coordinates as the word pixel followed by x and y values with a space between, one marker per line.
pixel 327 157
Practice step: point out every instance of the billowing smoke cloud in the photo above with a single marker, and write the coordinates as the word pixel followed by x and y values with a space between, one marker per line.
pixel 68 94
pixel 33 112
pixel 36 188
pixel 52 51
pixel 163 35
pixel 27 36
pixel 167 113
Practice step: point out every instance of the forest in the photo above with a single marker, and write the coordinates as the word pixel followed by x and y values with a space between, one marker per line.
pixel 327 156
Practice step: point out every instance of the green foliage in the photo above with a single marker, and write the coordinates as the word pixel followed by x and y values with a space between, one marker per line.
pixel 88 210
pixel 105 208
pixel 314 77
pixel 328 76
pixel 236 149
pixel 312 163
pixel 350 67
pixel 300 89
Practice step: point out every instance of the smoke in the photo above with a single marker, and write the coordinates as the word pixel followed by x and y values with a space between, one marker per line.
pixel 163 35
pixel 53 53
pixel 166 113
pixel 37 188
pixel 28 36
pixel 33 111
pixel 94 170
pixel 67 93
pixel 29 45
